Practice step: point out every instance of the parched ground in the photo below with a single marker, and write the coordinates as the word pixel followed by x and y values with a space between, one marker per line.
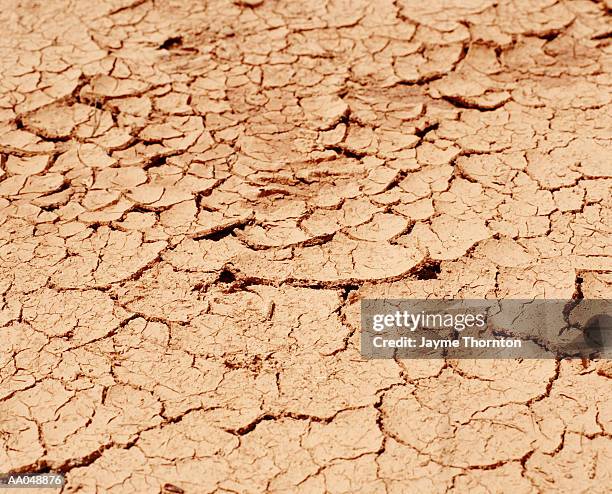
pixel 195 195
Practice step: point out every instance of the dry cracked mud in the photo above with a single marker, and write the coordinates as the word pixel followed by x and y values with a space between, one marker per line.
pixel 195 196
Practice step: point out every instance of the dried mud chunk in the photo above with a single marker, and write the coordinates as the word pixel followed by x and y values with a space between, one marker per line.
pixel 177 379
pixel 534 18
pixel 322 386
pixel 83 156
pixel 433 63
pixel 441 14
pixel 120 178
pixel 549 278
pixel 243 326
pixel 104 86
pixel 243 396
pixel 212 222
pixel 146 194
pixel 112 212
pixel 207 255
pixel 279 234
pixel 396 144
pixel 96 199
pixel 448 238
pixel 79 317
pixel 509 476
pixel 59 121
pixel 117 469
pixel 481 425
pixel 438 154
pixel 338 261
pixel 569 199
pixel 85 425
pixel 567 405
pixel 404 467
pixel 382 227
pixel 257 465
pixel 24 360
pixel 106 257
pixel 597 285
pixel 422 183
pixel 22 141
pixel 504 252
pixel 27 264
pixel 139 106
pixel 592 228
pixel 174 103
pixel 265 149
pixel 580 464
pixel 471 91
pixel 522 220
pixel 540 167
pixel 341 438
pixel 178 453
pixel 11 186
pixel 466 200
pixel 164 293
pixel 186 233
pixel 588 156
pixel 352 475
pixel 32 165
pixel 21 444
pixel 175 132
pixel 43 184
pixel 277 75
pixel 360 140
pixel 308 445
pixel 324 111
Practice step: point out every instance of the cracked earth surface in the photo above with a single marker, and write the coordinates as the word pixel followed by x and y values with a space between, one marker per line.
pixel 195 196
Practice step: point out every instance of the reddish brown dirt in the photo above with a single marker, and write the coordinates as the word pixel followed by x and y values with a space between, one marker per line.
pixel 195 196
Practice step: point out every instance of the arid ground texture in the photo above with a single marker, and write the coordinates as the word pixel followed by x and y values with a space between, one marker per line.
pixel 196 195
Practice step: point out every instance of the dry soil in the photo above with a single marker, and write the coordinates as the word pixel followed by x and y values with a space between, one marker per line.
pixel 195 195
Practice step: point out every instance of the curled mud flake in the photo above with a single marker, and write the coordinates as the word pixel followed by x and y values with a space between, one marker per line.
pixel 83 155
pixel 432 64
pixel 146 194
pixel 531 18
pixel 32 165
pixel 471 91
pixel 279 234
pixel 421 209
pixel 382 227
pixel 43 184
pixel 448 238
pixel 96 199
pixel 324 111
pixel 249 3
pixel 23 142
pixel 338 261
pixel 103 86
